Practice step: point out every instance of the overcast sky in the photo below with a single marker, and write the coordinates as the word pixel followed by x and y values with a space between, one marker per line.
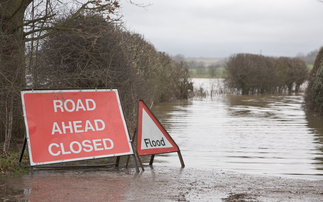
pixel 220 28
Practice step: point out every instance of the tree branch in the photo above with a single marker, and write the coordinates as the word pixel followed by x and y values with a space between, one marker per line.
pixel 38 19
pixel 56 28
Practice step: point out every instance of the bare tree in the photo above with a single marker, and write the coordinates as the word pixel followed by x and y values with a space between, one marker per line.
pixel 24 21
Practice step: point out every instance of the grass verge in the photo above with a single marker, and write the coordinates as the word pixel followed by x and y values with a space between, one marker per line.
pixel 9 164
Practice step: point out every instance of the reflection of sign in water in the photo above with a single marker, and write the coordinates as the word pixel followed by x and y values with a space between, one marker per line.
pixel 89 187
pixel 69 125
pixel 152 136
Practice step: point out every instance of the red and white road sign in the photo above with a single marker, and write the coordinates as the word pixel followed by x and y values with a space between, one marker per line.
pixel 70 125
pixel 152 136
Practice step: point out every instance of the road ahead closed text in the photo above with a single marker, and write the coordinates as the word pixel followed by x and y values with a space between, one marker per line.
pixel 78 126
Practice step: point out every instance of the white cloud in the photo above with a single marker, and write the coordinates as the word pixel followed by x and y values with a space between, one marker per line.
pixel 219 28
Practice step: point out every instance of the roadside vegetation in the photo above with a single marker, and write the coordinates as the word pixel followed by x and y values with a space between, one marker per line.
pixel 99 54
pixel 9 164
pixel 74 49
pixel 314 91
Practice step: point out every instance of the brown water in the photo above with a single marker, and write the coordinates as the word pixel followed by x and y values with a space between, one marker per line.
pixel 268 135
pixel 260 134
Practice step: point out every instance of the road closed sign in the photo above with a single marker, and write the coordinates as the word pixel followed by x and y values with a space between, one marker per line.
pixel 70 125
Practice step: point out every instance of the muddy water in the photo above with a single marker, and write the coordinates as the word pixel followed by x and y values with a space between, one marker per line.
pixel 223 139
pixel 263 134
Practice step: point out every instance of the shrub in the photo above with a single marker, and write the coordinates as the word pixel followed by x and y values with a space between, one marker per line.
pixel 314 91
pixel 256 74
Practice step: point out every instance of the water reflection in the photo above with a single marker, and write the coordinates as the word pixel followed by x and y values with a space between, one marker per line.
pixel 263 134
pixel 75 186
pixel 316 128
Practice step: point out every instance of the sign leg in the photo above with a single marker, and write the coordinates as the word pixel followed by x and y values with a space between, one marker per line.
pixel 140 161
pixel 127 162
pixel 23 150
pixel 152 159
pixel 117 161
pixel 135 161
pixel 128 158
pixel 181 158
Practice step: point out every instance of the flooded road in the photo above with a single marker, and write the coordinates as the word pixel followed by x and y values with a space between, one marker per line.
pixel 236 148
pixel 256 134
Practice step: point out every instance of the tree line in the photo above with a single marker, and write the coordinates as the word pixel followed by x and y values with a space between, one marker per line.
pixel 257 74
pixel 83 48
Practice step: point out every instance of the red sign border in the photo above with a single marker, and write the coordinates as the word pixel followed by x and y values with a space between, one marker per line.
pixel 74 159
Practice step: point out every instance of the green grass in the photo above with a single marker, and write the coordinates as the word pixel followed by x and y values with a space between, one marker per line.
pixel 310 67
pixel 9 164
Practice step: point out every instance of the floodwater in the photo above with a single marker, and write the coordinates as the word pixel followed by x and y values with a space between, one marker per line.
pixel 252 148
pixel 257 134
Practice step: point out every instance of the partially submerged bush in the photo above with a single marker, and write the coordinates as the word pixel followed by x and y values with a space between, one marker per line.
pixel 256 74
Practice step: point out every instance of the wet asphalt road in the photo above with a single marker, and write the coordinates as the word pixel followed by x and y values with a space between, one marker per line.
pixel 156 184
